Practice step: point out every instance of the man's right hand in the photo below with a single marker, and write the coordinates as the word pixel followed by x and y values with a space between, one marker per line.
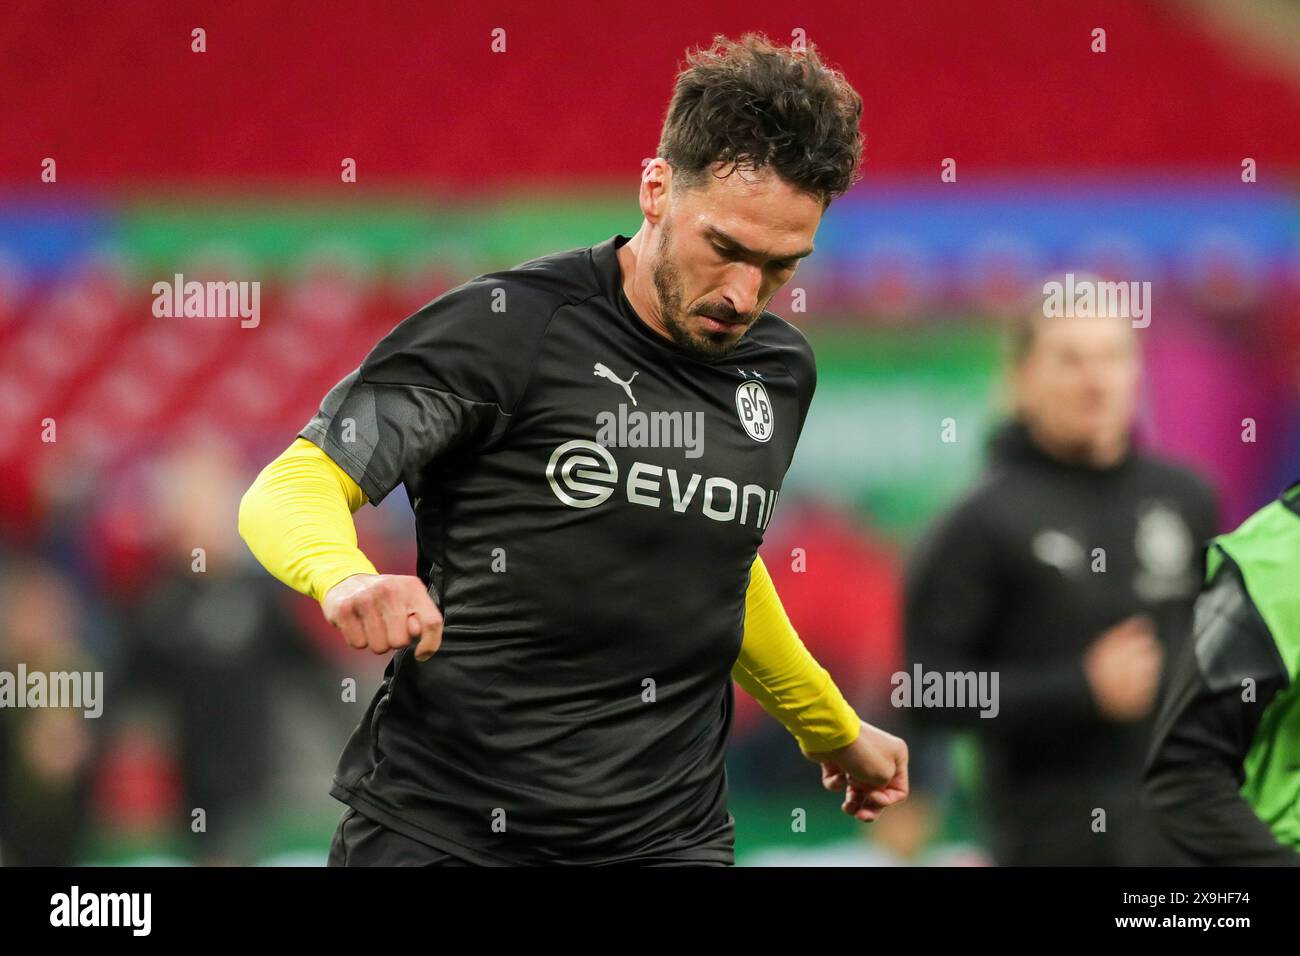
pixel 1123 669
pixel 384 612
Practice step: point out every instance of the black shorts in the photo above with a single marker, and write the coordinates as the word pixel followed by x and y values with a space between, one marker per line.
pixel 360 841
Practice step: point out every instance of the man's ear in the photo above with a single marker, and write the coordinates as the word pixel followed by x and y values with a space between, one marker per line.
pixel 656 184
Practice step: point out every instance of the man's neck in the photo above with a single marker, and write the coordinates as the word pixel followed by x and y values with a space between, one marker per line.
pixel 638 285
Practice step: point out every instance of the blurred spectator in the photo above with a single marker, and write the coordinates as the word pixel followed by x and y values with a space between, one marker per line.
pixel 45 752
pixel 210 643
pixel 1067 574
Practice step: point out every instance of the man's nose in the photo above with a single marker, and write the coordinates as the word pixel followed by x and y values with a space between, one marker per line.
pixel 743 286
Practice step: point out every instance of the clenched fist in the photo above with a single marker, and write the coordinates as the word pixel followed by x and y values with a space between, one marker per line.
pixel 384 612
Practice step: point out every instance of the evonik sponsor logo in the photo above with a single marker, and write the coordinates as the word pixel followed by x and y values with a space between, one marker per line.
pixel 583 474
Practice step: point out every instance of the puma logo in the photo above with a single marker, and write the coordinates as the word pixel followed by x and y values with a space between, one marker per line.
pixel 602 371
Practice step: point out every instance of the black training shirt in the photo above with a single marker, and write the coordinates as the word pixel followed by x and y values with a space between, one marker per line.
pixel 589 499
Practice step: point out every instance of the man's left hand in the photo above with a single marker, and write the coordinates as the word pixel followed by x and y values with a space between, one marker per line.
pixel 871 772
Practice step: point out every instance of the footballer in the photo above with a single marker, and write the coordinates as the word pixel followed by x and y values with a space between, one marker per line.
pixel 561 691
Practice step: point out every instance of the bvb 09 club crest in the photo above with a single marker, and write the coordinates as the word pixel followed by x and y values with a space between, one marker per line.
pixel 755 410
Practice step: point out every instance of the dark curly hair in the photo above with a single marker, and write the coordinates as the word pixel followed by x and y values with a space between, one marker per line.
pixel 753 104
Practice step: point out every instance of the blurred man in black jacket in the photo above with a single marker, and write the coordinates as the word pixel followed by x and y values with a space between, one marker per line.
pixel 1069 571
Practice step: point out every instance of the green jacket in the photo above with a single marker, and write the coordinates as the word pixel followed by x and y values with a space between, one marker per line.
pixel 1223 773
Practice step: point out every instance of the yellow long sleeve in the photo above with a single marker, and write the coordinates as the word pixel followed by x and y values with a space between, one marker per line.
pixel 297 520
pixel 776 669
